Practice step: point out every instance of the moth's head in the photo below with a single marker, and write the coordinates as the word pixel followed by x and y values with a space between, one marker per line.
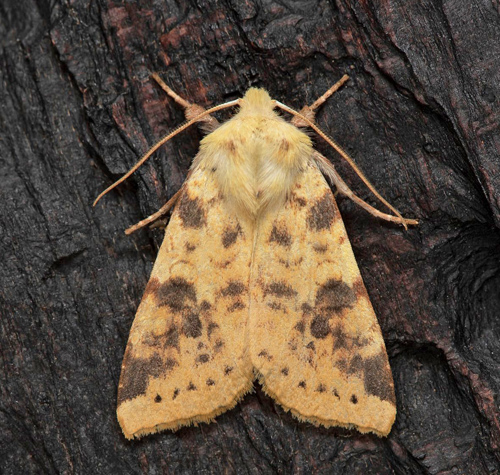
pixel 257 101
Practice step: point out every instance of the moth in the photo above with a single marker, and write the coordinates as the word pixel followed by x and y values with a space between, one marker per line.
pixel 256 279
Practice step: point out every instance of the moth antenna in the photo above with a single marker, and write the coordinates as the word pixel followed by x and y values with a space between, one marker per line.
pixel 164 140
pixel 329 170
pixel 343 154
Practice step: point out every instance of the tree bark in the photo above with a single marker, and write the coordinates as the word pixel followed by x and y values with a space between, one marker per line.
pixel 419 116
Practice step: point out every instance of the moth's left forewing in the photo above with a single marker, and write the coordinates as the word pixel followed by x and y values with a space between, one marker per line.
pixel 314 337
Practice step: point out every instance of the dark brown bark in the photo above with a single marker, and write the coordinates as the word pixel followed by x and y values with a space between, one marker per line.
pixel 419 115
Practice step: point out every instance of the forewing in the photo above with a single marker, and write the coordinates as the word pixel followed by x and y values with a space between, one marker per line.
pixel 314 338
pixel 186 360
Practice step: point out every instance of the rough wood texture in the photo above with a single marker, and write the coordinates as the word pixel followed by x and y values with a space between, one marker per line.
pixel 420 116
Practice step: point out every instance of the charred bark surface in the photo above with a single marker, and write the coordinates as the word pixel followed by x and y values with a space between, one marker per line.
pixel 420 116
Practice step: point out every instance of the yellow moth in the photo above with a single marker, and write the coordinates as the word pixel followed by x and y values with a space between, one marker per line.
pixel 256 279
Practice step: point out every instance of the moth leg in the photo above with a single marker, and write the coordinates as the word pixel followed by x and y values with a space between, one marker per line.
pixel 329 170
pixel 155 216
pixel 309 111
pixel 306 118
pixel 207 123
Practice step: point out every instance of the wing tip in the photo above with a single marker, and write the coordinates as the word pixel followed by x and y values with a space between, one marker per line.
pixel 380 429
pixel 138 432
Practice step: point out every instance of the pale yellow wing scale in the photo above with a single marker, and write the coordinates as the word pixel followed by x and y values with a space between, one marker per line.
pixel 187 360
pixel 313 335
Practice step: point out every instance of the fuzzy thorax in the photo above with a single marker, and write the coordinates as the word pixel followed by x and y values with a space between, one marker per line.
pixel 256 156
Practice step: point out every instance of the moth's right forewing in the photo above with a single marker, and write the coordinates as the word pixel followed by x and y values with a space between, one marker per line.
pixel 186 360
